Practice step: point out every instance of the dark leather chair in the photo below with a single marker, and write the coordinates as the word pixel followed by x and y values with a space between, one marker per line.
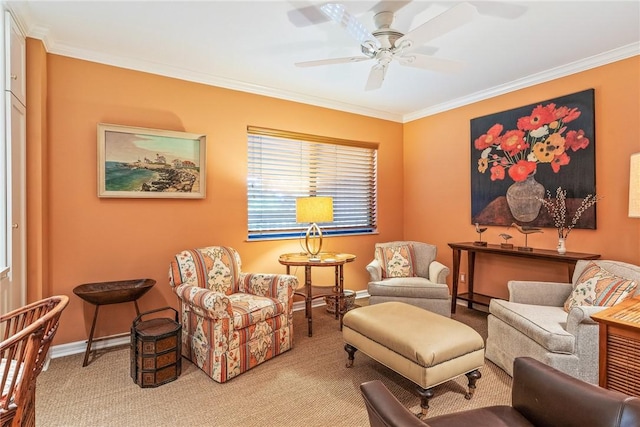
pixel 541 396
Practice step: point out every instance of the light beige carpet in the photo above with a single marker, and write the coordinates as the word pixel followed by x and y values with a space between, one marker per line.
pixel 307 386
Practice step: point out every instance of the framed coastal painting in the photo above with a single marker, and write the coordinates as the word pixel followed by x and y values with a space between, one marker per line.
pixel 150 163
pixel 521 155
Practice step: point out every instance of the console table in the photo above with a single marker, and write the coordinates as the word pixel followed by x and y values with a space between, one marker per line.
pixel 569 258
pixel 327 259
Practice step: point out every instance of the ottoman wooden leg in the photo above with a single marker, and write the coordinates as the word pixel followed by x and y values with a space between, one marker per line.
pixel 425 395
pixel 473 376
pixel 351 350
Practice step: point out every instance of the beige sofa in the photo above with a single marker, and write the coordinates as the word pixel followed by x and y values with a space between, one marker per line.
pixel 413 276
pixel 534 323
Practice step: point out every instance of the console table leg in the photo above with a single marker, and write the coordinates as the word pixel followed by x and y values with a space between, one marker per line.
pixel 456 273
pixel 471 261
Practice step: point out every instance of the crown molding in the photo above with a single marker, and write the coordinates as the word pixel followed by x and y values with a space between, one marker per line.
pixel 21 13
pixel 198 77
pixel 619 54
pixel 204 78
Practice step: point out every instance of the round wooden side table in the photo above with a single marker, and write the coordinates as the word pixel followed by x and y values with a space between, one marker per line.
pixel 326 259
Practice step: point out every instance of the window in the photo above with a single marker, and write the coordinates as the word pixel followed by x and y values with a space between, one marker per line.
pixel 285 165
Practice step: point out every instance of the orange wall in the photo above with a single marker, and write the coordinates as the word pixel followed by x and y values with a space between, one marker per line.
pixel 93 239
pixel 437 177
pixel 74 237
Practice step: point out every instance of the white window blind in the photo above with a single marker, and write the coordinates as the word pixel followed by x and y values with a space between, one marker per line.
pixel 286 165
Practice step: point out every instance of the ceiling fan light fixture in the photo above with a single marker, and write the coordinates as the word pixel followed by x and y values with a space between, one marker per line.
pixel 369 48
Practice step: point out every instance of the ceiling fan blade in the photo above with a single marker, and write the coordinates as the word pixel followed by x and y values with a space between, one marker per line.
pixel 447 21
pixel 376 77
pixel 332 61
pixel 430 63
pixel 339 14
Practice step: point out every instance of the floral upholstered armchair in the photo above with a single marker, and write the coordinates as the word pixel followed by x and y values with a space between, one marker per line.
pixel 231 321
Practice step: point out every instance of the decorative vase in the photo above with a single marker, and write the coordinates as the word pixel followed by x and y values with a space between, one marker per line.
pixel 562 249
pixel 524 199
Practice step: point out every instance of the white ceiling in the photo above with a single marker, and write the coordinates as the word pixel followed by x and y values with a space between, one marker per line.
pixel 253 45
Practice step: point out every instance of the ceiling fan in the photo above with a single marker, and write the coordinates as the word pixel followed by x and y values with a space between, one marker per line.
pixel 385 43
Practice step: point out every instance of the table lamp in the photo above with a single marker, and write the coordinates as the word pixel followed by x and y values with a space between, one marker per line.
pixel 634 186
pixel 313 210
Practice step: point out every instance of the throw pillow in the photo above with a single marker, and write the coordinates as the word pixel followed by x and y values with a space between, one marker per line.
pixel 396 261
pixel 599 287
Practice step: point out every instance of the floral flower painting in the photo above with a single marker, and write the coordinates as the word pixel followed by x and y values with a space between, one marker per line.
pixel 516 155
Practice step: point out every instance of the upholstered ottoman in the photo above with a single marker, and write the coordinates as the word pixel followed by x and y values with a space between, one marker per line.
pixel 426 348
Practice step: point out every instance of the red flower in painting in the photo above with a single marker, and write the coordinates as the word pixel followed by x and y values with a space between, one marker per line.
pixel 576 140
pixel 521 170
pixel 571 115
pixel 540 116
pixel 538 138
pixel 513 142
pixel 497 172
pixel 489 138
pixel 560 160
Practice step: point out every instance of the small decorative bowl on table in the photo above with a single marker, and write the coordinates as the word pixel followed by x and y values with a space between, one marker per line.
pixel 103 293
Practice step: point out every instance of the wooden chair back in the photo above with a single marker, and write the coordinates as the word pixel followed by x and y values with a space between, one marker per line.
pixel 27 334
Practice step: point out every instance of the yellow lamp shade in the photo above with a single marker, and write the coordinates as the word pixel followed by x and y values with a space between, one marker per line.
pixel 314 209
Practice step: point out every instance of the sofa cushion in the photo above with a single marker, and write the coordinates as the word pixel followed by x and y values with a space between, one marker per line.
pixel 599 287
pixel 250 309
pixel 397 260
pixel 215 268
pixel 543 324
pixel 409 287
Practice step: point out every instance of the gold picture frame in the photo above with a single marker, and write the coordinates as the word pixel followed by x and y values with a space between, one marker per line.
pixel 136 162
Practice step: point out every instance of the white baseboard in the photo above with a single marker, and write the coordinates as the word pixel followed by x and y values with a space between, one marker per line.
pixel 78 347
